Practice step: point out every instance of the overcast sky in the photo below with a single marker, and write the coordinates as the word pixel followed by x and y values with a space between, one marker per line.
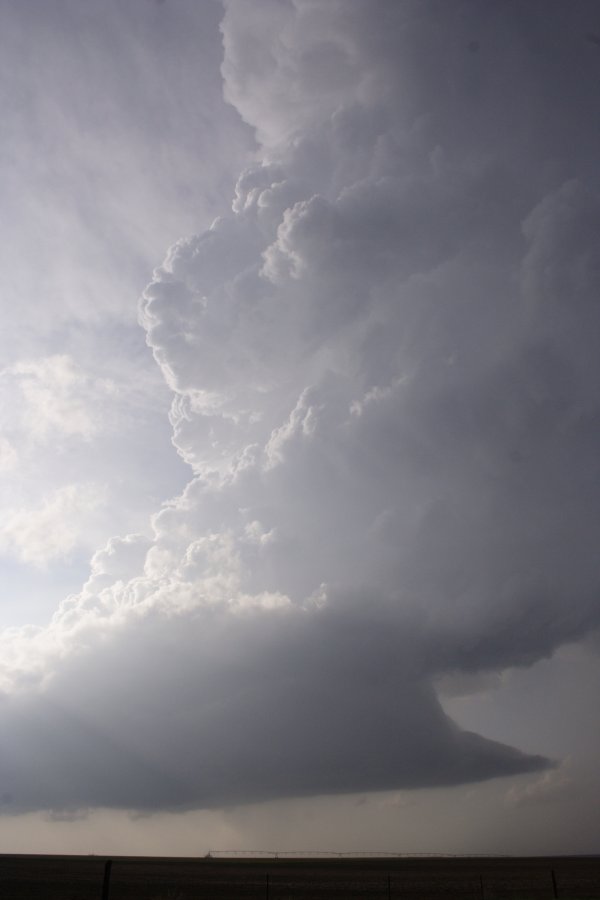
pixel 299 405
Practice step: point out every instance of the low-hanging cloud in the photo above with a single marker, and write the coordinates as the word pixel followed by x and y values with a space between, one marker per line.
pixel 383 364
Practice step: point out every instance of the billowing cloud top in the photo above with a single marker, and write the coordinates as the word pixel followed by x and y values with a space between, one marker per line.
pixel 384 371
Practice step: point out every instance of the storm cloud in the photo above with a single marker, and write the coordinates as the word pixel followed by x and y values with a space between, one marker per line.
pixel 385 372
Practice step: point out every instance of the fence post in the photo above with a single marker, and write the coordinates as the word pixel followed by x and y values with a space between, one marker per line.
pixel 267 886
pixel 106 882
pixel 389 888
pixel 481 886
pixel 554 887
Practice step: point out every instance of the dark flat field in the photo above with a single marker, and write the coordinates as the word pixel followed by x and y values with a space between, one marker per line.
pixel 150 878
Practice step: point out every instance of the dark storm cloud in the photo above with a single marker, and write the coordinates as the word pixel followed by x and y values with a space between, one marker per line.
pixel 264 706
pixel 385 380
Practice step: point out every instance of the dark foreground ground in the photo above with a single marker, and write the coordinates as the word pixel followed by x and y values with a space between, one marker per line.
pixel 476 878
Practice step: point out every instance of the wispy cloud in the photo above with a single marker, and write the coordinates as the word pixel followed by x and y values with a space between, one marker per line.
pixel 54 528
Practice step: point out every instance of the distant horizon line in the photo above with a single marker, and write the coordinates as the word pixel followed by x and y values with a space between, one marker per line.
pixel 309 854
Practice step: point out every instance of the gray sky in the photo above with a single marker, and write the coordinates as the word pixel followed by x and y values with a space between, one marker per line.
pixel 300 527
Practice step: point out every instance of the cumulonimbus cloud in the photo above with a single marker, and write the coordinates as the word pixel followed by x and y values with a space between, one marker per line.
pixel 383 364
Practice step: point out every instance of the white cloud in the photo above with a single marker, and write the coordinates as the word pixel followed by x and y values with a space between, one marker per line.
pixel 58 398
pixel 8 456
pixel 54 528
